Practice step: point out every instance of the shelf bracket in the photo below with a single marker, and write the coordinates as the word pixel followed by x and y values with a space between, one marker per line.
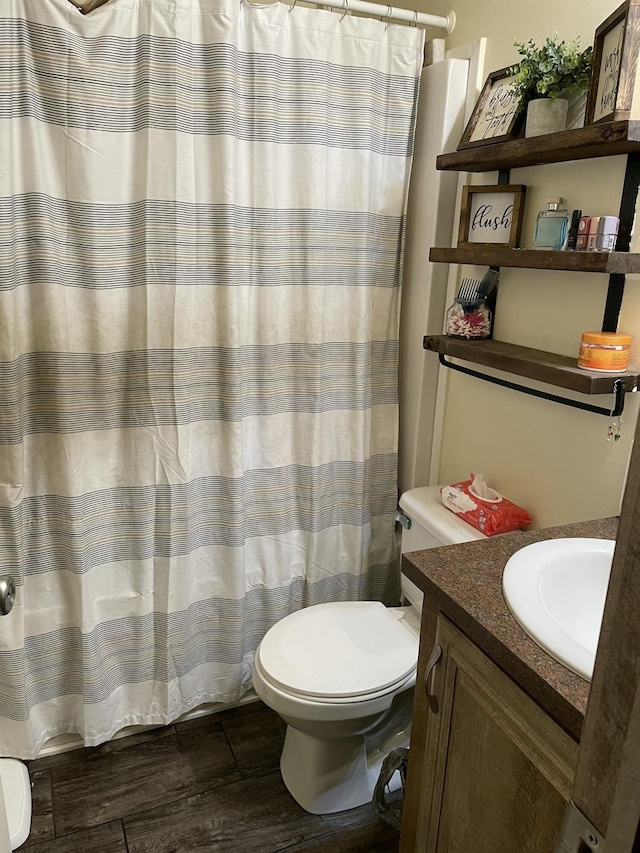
pixel 626 214
pixel 619 390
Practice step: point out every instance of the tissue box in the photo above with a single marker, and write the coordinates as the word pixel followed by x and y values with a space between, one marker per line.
pixel 490 514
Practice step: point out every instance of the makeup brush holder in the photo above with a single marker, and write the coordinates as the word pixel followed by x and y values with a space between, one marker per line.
pixel 469 319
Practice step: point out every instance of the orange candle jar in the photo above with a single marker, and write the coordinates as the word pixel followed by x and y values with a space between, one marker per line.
pixel 604 352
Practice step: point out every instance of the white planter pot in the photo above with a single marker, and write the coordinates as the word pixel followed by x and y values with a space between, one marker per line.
pixel 577 108
pixel 546 115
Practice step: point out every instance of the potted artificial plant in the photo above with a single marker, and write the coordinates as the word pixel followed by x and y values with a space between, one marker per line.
pixel 543 79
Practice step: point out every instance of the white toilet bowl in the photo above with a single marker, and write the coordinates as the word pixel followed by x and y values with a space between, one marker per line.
pixel 341 676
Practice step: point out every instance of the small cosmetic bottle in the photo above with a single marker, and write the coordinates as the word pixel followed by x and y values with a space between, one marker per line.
pixel 583 233
pixel 572 233
pixel 593 233
pixel 552 226
pixel 607 234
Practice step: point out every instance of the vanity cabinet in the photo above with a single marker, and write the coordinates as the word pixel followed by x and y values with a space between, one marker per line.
pixel 490 771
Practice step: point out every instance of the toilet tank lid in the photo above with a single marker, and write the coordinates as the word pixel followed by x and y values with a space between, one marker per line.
pixel 424 506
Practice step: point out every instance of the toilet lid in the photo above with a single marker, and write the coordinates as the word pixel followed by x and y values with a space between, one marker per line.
pixel 340 649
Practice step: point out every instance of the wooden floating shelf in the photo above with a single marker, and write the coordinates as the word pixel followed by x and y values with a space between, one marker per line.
pixel 558 370
pixel 595 140
pixel 538 259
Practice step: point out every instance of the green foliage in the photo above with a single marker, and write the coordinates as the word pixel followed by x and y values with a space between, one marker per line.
pixel 557 68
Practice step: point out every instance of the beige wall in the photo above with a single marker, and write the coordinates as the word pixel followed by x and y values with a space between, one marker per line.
pixel 553 460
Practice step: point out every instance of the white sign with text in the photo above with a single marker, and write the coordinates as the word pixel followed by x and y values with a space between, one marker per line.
pixel 490 217
pixel 609 72
pixel 498 111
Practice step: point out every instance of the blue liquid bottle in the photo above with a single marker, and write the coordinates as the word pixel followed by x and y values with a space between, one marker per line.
pixel 552 226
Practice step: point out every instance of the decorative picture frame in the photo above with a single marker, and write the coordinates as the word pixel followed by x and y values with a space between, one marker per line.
pixel 491 215
pixel 495 117
pixel 615 61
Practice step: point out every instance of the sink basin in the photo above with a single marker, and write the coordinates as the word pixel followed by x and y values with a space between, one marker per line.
pixel 556 590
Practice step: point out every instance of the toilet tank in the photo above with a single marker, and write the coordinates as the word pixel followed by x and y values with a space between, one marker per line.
pixel 432 525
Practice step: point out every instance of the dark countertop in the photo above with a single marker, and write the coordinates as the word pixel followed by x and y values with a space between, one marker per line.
pixel 465 583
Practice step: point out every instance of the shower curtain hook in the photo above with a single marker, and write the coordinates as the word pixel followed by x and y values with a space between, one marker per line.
pixel 346 9
pixel 388 17
pixel 292 6
pixel 414 23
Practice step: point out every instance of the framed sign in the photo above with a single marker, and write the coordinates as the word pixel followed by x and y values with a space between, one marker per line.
pixel 495 117
pixel 615 62
pixel 491 215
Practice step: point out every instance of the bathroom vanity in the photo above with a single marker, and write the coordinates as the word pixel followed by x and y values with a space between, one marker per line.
pixel 496 720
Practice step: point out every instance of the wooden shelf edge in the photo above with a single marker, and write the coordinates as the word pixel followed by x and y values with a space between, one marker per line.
pixel 551 368
pixel 501 256
pixel 584 143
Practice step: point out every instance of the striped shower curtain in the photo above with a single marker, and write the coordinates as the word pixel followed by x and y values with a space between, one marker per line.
pixel 201 213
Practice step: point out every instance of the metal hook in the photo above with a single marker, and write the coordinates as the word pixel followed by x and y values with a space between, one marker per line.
pixel 414 23
pixel 346 9
pixel 388 17
pixel 292 6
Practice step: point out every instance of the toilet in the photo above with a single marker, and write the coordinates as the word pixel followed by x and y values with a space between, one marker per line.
pixel 341 675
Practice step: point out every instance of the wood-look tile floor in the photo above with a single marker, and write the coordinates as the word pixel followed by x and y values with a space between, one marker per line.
pixel 211 784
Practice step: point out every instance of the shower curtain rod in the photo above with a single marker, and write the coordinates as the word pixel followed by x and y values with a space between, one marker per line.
pixel 393 13
pixel 389 13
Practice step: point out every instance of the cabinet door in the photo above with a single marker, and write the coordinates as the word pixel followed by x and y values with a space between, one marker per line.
pixel 496 770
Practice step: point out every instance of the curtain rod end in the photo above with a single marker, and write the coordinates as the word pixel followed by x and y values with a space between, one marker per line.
pixel 451 23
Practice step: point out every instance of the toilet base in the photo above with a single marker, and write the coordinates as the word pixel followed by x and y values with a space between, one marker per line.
pixel 328 776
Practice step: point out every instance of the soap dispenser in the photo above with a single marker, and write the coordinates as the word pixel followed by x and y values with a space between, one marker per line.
pixel 552 226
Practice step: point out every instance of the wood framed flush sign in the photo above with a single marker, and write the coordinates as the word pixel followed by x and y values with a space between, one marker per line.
pixel 612 91
pixel 495 117
pixel 491 215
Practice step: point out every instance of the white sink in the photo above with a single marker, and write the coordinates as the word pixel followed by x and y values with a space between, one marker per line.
pixel 556 590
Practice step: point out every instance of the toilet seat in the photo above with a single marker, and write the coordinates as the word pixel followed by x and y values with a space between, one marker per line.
pixel 339 652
